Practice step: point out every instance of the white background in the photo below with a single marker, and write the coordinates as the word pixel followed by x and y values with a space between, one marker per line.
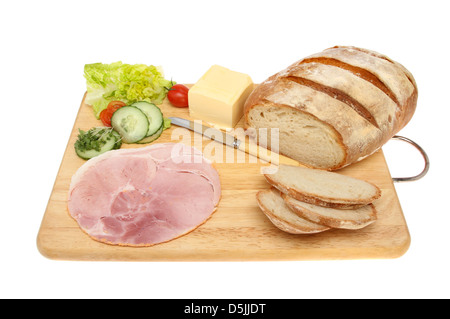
pixel 44 46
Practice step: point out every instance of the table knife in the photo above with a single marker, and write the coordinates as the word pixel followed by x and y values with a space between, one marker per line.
pixel 228 139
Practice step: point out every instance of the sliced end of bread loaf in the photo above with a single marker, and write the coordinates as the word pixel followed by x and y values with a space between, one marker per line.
pixel 331 217
pixel 323 188
pixel 275 208
pixel 301 135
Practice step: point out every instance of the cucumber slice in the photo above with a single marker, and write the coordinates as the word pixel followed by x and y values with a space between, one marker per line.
pixel 154 116
pixel 153 137
pixel 131 123
pixel 118 139
pixel 96 141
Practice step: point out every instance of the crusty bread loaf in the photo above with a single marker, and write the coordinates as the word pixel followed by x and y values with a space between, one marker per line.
pixel 335 107
pixel 274 207
pixel 332 217
pixel 323 188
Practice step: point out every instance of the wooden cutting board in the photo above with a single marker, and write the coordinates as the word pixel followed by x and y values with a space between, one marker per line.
pixel 238 230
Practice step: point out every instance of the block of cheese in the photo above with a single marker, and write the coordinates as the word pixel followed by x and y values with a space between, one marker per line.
pixel 219 95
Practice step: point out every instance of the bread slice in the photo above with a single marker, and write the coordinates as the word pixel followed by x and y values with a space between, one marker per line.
pixel 275 208
pixel 323 188
pixel 332 217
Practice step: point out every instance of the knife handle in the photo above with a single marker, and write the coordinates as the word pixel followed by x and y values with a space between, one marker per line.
pixel 266 155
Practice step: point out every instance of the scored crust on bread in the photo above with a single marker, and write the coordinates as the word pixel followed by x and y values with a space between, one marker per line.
pixel 275 208
pixel 323 188
pixel 336 218
pixel 335 107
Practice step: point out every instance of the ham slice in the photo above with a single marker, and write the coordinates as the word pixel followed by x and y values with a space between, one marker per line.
pixel 144 196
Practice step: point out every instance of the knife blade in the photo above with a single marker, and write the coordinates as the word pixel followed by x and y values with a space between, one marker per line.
pixel 228 139
pixel 209 132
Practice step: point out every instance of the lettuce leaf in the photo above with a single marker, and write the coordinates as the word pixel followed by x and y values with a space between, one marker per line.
pixel 124 82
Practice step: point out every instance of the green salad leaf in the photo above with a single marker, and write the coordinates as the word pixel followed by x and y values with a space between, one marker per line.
pixel 167 123
pixel 128 83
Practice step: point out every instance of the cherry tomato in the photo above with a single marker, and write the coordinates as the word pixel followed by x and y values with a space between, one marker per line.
pixel 105 117
pixel 115 105
pixel 178 95
pixel 106 114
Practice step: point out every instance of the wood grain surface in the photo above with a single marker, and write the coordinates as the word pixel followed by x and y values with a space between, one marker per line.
pixel 238 230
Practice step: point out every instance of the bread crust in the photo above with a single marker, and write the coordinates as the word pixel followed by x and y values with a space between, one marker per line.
pixel 359 135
